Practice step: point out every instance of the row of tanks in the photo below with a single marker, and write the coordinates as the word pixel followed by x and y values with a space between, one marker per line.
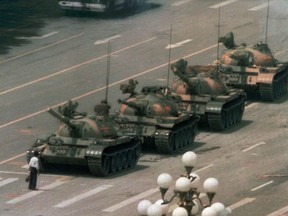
pixel 165 117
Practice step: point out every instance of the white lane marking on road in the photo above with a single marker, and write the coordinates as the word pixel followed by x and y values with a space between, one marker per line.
pixel 261 186
pixel 204 168
pixel 241 203
pixel 254 146
pixel 223 3
pixel 171 46
pixel 178 3
pixel 25 166
pixel 18 173
pixel 261 6
pixel 41 48
pixel 39 37
pixel 7 181
pixel 251 105
pixel 74 67
pixel 82 196
pixel 131 200
pixel 12 158
pixel 106 40
pixel 281 211
pixel 34 193
pixel 102 88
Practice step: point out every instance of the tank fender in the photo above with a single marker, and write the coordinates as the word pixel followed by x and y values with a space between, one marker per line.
pixel 94 151
pixel 265 78
pixel 214 107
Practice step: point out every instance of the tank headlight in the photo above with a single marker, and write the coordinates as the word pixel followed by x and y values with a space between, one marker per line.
pixel 88 152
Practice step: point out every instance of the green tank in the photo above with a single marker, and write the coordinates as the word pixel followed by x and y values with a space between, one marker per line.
pixel 253 69
pixel 203 93
pixel 83 140
pixel 153 116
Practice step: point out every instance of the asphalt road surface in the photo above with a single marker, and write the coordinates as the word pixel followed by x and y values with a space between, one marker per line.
pixel 66 59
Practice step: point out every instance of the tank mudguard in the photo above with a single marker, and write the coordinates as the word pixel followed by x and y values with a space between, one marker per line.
pixel 94 151
pixel 214 107
pixel 265 78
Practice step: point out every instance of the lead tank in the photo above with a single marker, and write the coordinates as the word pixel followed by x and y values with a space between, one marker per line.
pixel 154 116
pixel 253 68
pixel 84 140
pixel 203 93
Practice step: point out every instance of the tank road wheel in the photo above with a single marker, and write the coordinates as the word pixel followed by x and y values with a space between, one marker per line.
pixel 230 118
pixel 132 158
pixel 187 136
pixel 172 143
pixel 120 161
pixel 235 115
pixel 138 151
pixel 223 121
pixel 284 85
pixel 192 135
pixel 113 165
pixel 125 160
pixel 178 141
pixel 42 165
pixel 275 90
pixel 106 165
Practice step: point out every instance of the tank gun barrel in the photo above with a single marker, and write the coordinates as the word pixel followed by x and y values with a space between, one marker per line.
pixel 131 104
pixel 140 109
pixel 62 118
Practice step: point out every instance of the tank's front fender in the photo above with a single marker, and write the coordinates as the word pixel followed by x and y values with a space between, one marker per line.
pixel 214 107
pixel 265 78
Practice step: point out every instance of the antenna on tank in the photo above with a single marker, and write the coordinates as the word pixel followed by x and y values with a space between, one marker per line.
pixel 218 37
pixel 267 19
pixel 169 56
pixel 108 70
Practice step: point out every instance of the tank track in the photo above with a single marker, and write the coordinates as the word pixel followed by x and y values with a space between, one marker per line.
pixel 231 115
pixel 277 89
pixel 181 136
pixel 115 161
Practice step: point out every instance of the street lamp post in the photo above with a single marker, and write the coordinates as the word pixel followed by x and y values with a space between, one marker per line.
pixel 186 190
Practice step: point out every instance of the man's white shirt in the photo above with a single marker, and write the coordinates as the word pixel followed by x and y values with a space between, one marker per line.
pixel 34 163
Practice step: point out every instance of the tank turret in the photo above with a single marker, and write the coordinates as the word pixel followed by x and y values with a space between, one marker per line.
pixel 149 106
pixel 155 118
pixel 198 79
pixel 84 140
pixel 203 92
pixel 243 55
pixel 253 69
pixel 71 129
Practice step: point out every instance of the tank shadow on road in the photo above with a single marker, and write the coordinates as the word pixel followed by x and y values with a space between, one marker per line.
pixel 21 19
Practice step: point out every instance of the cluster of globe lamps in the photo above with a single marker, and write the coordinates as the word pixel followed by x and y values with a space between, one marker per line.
pixel 186 190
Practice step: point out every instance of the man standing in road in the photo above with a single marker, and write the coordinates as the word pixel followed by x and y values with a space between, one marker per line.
pixel 34 171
